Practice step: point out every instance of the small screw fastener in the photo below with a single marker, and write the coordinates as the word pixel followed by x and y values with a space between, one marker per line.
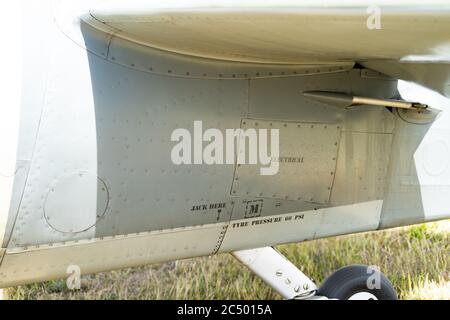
pixel 279 273
pixel 305 286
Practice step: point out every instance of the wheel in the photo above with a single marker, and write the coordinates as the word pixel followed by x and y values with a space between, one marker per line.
pixel 356 282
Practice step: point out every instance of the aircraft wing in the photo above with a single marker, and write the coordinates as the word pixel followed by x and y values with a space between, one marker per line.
pixel 410 43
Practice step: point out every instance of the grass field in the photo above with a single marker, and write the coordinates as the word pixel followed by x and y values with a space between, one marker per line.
pixel 415 259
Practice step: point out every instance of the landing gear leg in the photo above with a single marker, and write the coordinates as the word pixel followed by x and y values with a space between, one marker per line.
pixel 355 282
pixel 278 272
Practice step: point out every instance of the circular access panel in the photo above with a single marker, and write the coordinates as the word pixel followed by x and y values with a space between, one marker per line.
pixel 76 202
pixel 437 156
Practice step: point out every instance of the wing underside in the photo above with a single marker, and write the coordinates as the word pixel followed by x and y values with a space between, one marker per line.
pixel 411 43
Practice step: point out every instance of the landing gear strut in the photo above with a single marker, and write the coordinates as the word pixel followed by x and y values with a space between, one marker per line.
pixel 355 282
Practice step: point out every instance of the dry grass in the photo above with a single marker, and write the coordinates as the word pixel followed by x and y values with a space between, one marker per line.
pixel 416 260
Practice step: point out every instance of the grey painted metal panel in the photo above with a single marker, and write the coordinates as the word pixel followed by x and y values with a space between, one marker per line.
pixel 403 199
pixel 136 114
pixel 307 163
pixel 117 124
pixel 364 160
pixel 69 204
pixel 40 263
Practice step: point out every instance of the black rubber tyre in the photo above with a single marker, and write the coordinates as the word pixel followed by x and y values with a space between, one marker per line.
pixel 347 282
